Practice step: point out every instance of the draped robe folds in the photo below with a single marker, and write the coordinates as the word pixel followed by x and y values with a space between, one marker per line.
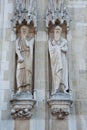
pixel 24 69
pixel 59 66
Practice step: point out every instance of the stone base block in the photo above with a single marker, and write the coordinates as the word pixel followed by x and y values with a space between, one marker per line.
pixel 21 105
pixel 60 105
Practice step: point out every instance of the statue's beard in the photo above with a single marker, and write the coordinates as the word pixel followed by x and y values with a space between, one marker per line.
pixel 57 37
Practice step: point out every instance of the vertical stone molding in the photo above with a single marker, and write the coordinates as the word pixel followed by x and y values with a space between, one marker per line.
pixel 57 23
pixel 24 24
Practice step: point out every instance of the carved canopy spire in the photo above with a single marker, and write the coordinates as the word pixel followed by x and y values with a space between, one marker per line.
pixel 24 10
pixel 57 10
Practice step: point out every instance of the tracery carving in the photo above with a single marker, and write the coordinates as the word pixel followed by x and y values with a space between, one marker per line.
pixel 25 10
pixel 57 12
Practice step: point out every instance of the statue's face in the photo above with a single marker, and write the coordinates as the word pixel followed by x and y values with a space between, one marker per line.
pixel 57 33
pixel 24 31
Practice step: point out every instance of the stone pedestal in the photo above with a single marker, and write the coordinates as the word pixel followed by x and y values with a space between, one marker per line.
pixel 60 105
pixel 21 105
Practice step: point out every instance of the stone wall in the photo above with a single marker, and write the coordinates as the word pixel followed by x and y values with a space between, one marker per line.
pixel 41 119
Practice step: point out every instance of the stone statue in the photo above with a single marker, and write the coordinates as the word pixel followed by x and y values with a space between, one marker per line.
pixel 58 58
pixel 24 51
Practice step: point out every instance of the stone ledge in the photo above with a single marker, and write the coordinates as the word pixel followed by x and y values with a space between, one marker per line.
pixel 60 105
pixel 21 105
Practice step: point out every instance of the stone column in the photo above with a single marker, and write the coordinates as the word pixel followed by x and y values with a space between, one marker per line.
pixel 38 122
pixel 5 62
pixel 21 125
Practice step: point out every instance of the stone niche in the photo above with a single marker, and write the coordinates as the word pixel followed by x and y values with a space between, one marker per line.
pixel 57 23
pixel 24 24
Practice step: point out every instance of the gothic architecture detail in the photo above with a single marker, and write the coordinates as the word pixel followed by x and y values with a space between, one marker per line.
pixel 60 104
pixel 22 105
pixel 57 12
pixel 24 25
pixel 57 23
pixel 25 10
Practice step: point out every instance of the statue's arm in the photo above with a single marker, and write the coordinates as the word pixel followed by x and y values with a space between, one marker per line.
pixel 31 49
pixel 30 43
pixel 51 48
pixel 20 58
pixel 64 47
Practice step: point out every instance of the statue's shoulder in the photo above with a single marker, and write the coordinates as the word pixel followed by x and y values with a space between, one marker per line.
pixel 64 40
pixel 51 40
pixel 17 41
pixel 31 41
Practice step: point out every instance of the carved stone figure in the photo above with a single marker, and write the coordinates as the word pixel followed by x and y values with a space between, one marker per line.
pixel 58 58
pixel 24 51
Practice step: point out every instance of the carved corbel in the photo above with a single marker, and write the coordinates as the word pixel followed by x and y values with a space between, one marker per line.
pixel 60 105
pixel 57 13
pixel 22 105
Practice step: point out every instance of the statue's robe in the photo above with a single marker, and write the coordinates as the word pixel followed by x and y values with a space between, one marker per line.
pixel 24 69
pixel 59 66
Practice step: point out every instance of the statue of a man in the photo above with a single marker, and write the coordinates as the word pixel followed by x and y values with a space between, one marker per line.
pixel 58 58
pixel 24 51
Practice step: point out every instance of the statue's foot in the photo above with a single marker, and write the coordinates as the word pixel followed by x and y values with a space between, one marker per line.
pixel 66 92
pixel 28 92
pixel 54 92
pixel 19 91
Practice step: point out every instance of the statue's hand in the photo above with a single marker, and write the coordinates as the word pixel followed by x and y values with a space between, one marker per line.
pixel 20 59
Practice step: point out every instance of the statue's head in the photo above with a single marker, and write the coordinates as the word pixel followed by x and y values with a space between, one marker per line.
pixel 24 30
pixel 57 33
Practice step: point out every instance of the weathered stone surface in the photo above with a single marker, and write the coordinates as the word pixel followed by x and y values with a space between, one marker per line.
pixel 22 105
pixel 42 118
pixel 60 104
